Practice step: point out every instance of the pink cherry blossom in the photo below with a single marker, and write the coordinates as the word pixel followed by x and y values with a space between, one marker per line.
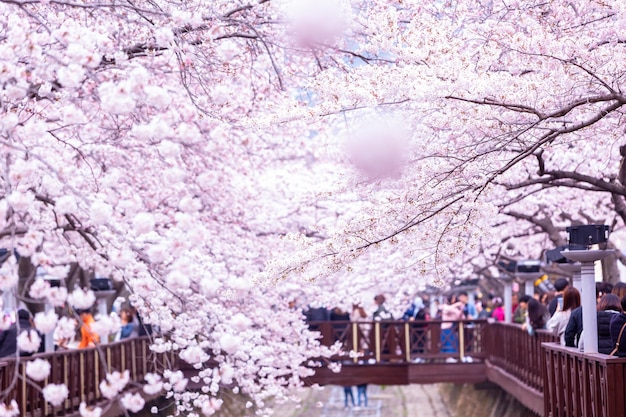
pixel 55 394
pixel 132 402
pixel 38 369
pixel 28 341
pixel 10 410
pixel 8 276
pixel 153 385
pixel 57 296
pixel 65 328
pixel 89 411
pixel 81 298
pixel 46 322
pixel 39 288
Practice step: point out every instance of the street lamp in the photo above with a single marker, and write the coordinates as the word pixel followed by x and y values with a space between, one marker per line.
pixel 569 267
pixel 528 271
pixel 507 266
pixel 104 292
pixel 588 235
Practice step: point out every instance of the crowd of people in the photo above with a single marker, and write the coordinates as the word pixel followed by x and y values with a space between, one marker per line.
pixel 558 311
pixel 85 335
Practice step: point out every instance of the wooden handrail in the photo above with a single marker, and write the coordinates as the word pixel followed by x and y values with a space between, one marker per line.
pixel 81 370
pixel 582 384
pixel 403 341
pixel 512 349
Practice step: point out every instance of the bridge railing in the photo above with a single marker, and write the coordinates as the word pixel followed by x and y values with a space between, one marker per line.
pixel 513 350
pixel 81 371
pixel 583 384
pixel 404 341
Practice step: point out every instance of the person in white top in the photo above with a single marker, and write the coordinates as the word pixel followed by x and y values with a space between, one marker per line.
pixel 558 321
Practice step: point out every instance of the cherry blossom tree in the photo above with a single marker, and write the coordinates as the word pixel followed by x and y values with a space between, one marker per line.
pixel 221 158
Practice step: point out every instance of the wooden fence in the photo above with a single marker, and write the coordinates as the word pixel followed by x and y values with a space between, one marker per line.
pixel 81 371
pixel 583 384
pixel 404 341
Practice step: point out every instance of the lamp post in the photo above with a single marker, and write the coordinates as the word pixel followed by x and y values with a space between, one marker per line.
pixel 508 298
pixel 528 271
pixel 574 268
pixel 564 264
pixel 508 268
pixel 588 235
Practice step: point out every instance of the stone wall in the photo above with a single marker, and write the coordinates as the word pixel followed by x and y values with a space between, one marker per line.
pixel 481 400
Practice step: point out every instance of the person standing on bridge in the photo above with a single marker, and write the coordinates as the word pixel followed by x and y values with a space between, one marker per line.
pixel 363 330
pixel 557 302
pixel 417 314
pixel 8 337
pixel 616 328
pixel 384 329
pixel 450 313
pixel 381 312
pixel 88 337
pixel 537 317
pixel 609 307
pixel 558 321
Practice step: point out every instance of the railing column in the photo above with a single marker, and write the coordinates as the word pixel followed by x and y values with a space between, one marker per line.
pixel 355 341
pixel 23 405
pixel 407 341
pixel 461 340
pixel 97 372
pixel 81 367
pixel 377 347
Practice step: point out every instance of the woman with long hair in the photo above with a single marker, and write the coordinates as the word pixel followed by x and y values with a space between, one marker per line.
pixel 558 322
pixel 609 306
pixel 537 317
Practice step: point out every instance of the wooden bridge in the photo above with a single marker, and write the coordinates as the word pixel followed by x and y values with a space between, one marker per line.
pixel 549 379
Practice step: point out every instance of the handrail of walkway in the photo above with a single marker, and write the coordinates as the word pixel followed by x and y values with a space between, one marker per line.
pixel 516 363
pixel 403 341
pixel 582 384
pixel 81 370
pixel 514 351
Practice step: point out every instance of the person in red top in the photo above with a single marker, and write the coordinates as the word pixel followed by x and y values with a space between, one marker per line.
pixel 88 338
pixel 498 309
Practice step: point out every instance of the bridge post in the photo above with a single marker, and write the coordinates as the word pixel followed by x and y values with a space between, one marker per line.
pixel 377 341
pixel 407 342
pixel 462 341
pixel 355 340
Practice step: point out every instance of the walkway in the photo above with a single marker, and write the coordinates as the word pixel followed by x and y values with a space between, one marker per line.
pixel 387 401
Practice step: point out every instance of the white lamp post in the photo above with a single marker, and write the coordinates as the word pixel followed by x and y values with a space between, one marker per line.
pixel 529 272
pixel 588 235
pixel 508 298
pixel 573 268
pixel 587 260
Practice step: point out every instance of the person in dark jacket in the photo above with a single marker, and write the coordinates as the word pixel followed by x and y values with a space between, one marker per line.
pixel 574 327
pixel 559 285
pixel 608 307
pixel 8 338
pixel 615 328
